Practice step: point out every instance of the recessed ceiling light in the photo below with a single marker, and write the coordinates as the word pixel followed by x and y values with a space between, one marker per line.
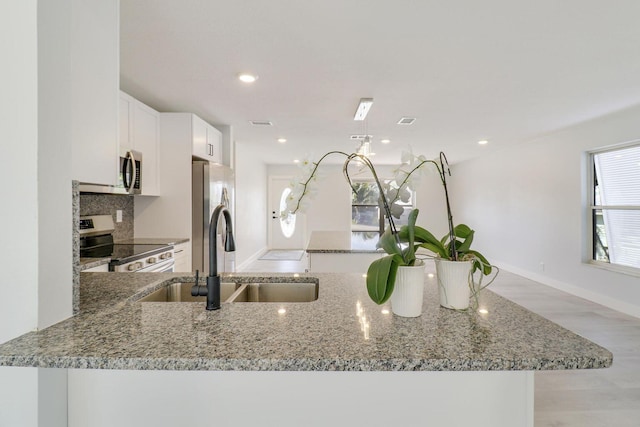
pixel 282 140
pixel 483 142
pixel 247 78
pixel 296 161
pixel 385 141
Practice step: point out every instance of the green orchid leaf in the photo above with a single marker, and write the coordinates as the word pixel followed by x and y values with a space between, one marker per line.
pixel 436 249
pixel 381 278
pixel 466 244
pixel 422 235
pixel 388 243
pixel 486 267
pixel 410 255
pixel 462 231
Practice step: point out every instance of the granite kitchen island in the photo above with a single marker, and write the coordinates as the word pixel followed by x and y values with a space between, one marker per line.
pixel 344 357
pixel 342 251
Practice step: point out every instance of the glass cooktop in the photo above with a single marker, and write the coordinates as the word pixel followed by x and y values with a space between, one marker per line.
pixel 122 253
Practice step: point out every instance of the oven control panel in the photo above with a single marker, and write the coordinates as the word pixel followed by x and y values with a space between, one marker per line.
pixel 156 263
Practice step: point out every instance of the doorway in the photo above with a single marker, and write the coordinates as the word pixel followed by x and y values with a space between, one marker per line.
pixel 285 232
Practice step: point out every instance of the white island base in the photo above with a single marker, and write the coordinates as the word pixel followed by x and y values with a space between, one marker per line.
pixel 108 398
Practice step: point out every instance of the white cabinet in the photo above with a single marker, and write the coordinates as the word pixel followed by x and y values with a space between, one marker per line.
pixel 207 141
pixel 140 131
pixel 94 79
pixel 182 256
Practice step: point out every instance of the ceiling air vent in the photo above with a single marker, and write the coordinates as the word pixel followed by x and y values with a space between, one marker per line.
pixel 406 121
pixel 260 122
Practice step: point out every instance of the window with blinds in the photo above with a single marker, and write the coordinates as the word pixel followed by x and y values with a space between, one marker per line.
pixel 615 207
pixel 366 212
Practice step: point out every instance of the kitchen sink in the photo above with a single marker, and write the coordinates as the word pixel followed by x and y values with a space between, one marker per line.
pixel 239 292
pixel 181 292
pixel 275 292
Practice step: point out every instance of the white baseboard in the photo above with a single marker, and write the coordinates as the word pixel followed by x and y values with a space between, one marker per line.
pixel 604 300
pixel 253 258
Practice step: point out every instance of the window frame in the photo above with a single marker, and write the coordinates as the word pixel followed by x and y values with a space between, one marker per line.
pixel 592 208
pixel 381 218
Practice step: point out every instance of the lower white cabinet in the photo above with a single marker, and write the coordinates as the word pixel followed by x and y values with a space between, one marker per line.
pixel 182 256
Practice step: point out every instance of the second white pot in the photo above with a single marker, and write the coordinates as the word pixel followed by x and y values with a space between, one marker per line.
pixel 453 283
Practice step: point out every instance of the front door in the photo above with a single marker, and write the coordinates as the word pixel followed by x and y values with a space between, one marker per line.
pixel 284 232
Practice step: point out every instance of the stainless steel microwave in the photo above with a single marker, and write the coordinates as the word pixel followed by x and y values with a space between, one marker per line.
pixel 129 176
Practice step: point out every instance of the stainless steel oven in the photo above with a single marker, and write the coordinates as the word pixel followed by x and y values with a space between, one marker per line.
pixel 142 258
pixel 96 241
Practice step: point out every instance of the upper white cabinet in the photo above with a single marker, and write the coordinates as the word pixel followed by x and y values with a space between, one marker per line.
pixel 95 81
pixel 207 140
pixel 140 131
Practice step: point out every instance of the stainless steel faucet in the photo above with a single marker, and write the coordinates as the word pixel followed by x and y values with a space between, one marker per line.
pixel 212 289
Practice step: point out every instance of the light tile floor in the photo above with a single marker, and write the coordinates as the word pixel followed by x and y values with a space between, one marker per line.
pixel 581 398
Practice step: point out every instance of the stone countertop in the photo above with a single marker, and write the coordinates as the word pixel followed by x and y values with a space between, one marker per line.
pixel 114 331
pixel 154 241
pixel 343 242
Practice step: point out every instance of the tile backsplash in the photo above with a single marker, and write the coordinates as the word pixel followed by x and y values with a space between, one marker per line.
pixel 108 204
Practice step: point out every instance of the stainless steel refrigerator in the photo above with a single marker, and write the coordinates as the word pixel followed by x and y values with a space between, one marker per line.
pixel 212 185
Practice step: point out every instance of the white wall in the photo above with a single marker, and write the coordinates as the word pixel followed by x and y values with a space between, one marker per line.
pixel 250 227
pixel 19 136
pixel 330 209
pixel 54 164
pixel 35 166
pixel 528 206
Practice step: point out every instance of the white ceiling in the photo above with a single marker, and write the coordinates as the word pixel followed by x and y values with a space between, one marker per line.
pixel 502 70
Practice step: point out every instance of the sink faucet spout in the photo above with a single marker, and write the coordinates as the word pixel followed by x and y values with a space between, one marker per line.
pixel 212 290
pixel 213 279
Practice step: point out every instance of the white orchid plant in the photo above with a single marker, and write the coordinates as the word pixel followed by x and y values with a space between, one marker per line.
pixel 400 245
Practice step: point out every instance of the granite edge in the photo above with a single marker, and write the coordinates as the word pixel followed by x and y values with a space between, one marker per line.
pixel 302 364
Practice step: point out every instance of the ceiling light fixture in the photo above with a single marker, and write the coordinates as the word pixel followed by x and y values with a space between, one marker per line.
pixel 483 142
pixel 282 140
pixel 363 108
pixel 385 141
pixel 247 78
pixel 365 147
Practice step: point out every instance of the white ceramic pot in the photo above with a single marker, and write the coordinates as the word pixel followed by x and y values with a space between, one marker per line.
pixel 453 283
pixel 408 292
